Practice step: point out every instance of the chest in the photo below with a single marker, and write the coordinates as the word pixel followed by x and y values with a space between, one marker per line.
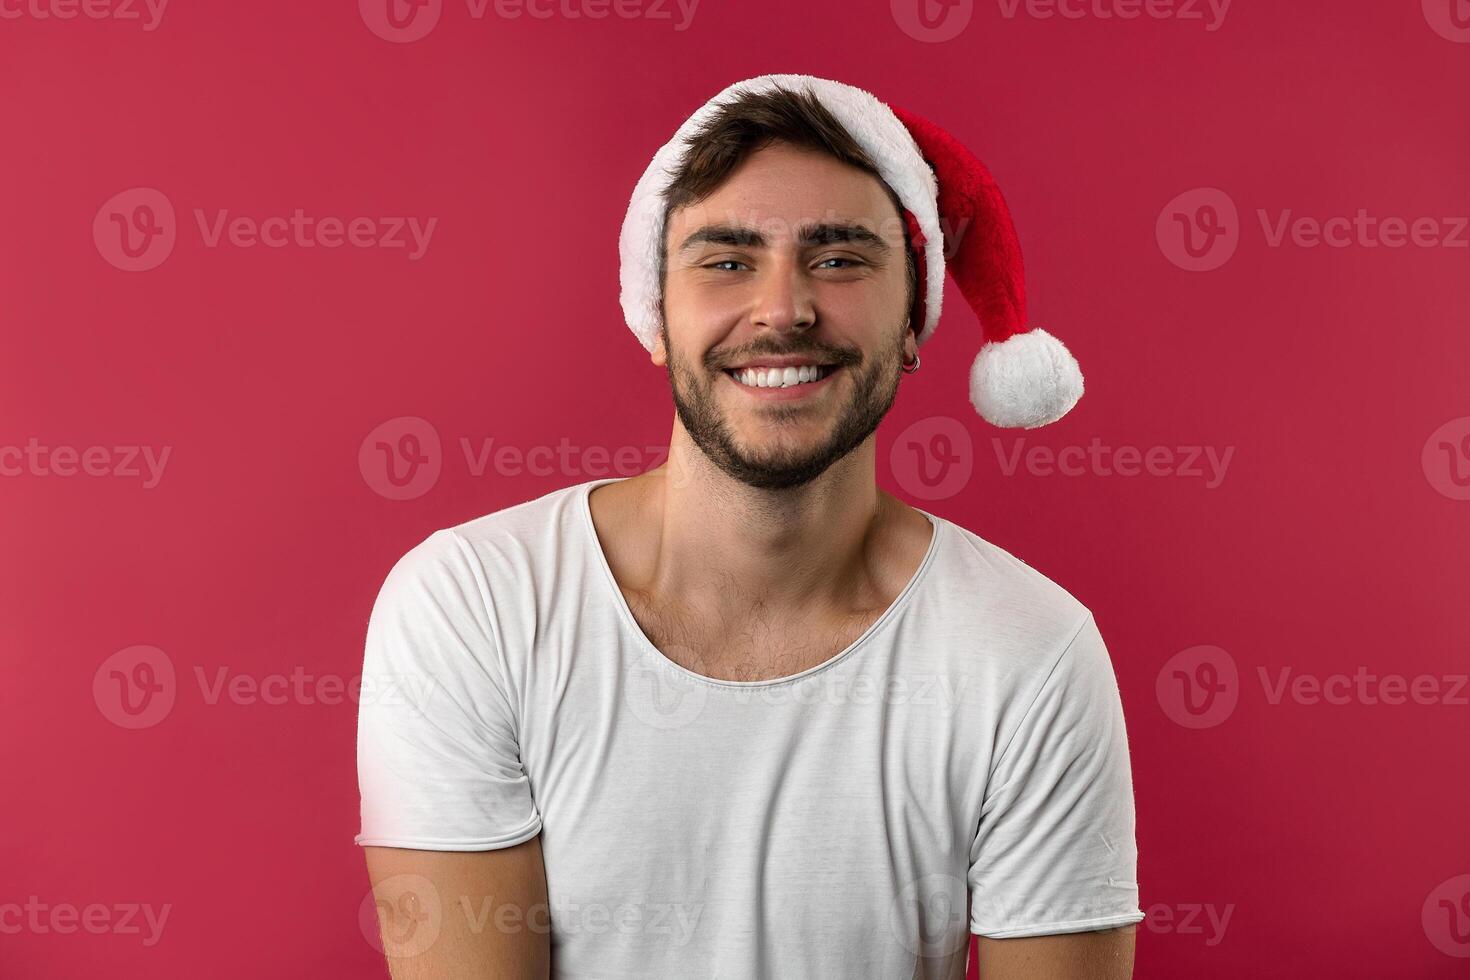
pixel 752 646
pixel 708 824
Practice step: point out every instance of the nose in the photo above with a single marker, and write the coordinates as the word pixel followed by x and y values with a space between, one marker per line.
pixel 783 301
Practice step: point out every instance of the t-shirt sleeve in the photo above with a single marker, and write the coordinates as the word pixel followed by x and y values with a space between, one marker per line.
pixel 438 760
pixel 1055 851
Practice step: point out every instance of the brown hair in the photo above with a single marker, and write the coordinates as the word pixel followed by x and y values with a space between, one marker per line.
pixel 750 122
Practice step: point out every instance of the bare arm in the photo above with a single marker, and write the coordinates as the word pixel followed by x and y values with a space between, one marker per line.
pixel 1104 954
pixel 463 915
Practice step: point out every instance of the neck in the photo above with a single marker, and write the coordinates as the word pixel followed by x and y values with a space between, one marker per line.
pixel 724 544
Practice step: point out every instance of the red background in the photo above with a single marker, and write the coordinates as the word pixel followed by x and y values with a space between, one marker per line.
pixel 1328 546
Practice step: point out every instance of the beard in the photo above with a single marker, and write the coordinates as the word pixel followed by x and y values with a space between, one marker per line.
pixel 873 388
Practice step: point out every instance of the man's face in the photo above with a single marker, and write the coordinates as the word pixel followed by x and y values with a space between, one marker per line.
pixel 797 261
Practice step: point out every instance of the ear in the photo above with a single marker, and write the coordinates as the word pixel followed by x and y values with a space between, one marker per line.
pixel 659 355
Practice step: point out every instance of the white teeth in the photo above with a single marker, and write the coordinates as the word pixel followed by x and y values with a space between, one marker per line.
pixel 778 377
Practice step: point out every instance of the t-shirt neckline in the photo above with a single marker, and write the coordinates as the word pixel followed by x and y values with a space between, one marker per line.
pixel 584 505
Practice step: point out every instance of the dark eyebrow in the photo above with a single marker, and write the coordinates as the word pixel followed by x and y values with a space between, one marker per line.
pixel 736 236
pixel 829 233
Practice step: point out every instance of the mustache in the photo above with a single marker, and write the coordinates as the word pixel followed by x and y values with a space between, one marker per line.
pixel 840 356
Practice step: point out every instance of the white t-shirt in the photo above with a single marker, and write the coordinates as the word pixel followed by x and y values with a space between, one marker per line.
pixel 961 767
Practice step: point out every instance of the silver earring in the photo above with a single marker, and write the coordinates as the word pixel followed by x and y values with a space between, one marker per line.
pixel 911 370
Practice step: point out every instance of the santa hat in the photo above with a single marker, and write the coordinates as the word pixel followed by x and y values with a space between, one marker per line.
pixel 1023 377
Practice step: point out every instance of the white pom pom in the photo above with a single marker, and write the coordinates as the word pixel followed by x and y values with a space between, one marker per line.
pixel 1025 381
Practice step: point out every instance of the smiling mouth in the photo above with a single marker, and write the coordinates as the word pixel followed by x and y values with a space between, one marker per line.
pixel 789 377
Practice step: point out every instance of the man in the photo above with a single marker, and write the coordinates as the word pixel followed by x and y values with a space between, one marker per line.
pixel 746 715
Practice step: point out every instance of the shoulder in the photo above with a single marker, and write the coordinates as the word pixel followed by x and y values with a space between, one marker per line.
pixel 525 523
pixel 504 545
pixel 993 594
